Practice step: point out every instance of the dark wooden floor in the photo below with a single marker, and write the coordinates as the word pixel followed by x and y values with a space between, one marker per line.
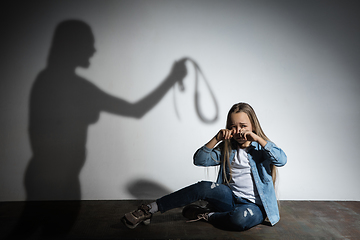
pixel 101 220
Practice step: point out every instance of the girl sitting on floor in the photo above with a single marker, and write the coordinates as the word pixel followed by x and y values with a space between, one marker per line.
pixel 243 195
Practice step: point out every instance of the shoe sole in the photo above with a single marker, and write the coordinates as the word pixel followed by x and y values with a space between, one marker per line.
pixel 131 226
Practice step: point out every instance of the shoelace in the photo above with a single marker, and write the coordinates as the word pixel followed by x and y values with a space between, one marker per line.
pixel 141 211
pixel 203 216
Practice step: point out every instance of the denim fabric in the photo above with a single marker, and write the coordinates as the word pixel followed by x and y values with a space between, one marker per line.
pixel 218 195
pixel 260 159
pixel 231 212
pixel 242 216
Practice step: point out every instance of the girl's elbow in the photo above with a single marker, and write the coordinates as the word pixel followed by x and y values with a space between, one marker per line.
pixel 196 163
pixel 282 161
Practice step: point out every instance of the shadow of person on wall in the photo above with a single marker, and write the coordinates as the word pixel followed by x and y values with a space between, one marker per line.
pixel 62 106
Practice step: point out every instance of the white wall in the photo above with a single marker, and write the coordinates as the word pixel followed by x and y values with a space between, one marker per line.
pixel 296 63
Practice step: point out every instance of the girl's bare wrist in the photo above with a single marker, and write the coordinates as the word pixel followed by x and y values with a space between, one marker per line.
pixel 261 141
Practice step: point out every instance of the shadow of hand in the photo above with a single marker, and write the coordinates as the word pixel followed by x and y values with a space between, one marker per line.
pixel 179 72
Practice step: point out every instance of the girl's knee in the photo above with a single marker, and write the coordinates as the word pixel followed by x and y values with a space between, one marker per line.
pixel 245 218
pixel 212 188
pixel 207 184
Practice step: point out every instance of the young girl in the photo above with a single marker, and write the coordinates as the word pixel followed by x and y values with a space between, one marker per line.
pixel 243 195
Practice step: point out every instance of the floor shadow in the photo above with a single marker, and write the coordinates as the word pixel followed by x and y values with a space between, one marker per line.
pixel 46 220
pixel 62 106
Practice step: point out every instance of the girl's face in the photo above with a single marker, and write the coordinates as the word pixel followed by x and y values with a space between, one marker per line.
pixel 240 123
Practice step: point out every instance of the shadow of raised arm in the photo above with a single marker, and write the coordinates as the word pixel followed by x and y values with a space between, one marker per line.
pixel 140 108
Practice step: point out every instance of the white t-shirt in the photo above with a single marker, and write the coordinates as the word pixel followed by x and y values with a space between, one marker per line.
pixel 242 183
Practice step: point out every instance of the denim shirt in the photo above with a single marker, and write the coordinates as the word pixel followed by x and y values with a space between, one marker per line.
pixel 260 159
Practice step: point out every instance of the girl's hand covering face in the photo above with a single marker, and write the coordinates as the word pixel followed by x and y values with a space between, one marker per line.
pixel 224 134
pixel 247 135
pixel 241 137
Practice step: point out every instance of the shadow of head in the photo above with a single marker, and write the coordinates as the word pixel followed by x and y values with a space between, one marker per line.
pixel 146 189
pixel 72 44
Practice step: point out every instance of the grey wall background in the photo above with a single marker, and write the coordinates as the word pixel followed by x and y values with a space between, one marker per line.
pixel 295 62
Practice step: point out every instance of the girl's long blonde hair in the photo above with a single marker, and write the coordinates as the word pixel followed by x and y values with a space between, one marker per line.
pixel 228 145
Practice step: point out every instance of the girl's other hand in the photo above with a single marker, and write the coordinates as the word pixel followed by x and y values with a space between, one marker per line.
pixel 249 135
pixel 252 137
pixel 224 134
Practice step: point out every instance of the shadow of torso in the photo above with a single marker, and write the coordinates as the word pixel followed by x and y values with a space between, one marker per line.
pixel 62 105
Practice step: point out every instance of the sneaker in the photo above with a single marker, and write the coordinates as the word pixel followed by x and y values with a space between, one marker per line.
pixel 193 211
pixel 134 218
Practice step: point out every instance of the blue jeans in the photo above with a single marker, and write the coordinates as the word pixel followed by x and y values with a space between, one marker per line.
pixel 231 212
